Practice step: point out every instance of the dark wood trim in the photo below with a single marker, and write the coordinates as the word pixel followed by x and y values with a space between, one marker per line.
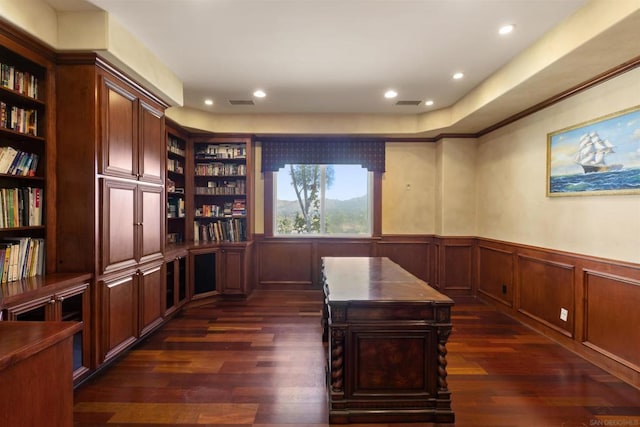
pixel 92 58
pixel 600 78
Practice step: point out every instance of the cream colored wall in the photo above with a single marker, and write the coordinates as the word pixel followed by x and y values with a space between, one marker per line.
pixel 404 210
pixel 511 180
pixel 258 190
pixel 457 187
pixel 408 188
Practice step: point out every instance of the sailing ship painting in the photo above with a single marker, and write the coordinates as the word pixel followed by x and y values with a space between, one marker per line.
pixel 592 152
pixel 600 157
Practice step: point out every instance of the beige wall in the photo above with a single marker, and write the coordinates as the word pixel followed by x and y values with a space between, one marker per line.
pixel 408 188
pixel 511 200
pixel 457 187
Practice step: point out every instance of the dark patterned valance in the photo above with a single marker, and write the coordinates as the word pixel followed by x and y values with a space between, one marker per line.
pixel 277 152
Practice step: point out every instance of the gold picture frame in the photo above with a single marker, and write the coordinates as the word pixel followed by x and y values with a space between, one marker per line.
pixel 598 157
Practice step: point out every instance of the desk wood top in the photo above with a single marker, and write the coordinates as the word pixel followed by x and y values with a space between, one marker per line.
pixel 21 340
pixel 375 279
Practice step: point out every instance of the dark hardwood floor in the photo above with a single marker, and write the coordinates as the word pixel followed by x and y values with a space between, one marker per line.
pixel 260 363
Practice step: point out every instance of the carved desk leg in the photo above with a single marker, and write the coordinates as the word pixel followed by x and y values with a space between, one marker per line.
pixel 337 360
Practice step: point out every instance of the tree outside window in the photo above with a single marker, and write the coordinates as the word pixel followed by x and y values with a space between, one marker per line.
pixel 323 200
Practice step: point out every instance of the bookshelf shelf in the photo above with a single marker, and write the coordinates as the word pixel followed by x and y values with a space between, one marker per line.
pixel 24 129
pixel 175 179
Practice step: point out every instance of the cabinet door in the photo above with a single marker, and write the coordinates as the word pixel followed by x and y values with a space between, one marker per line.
pixel 233 280
pixel 73 304
pixel 119 224
pixel 151 286
pixel 151 222
pixel 151 158
pixel 119 131
pixel 119 315
pixel 36 310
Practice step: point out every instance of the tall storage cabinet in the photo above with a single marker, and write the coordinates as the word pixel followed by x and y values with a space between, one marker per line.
pixel 111 165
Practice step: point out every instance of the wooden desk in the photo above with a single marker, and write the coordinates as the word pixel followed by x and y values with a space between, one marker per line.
pixel 36 379
pixel 387 332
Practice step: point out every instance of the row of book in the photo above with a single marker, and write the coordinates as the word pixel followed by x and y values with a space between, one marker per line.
pixel 175 146
pixel 19 119
pixel 21 257
pixel 175 207
pixel 175 166
pixel 20 81
pixel 223 188
pixel 223 230
pixel 222 151
pixel 17 162
pixel 221 169
pixel 21 207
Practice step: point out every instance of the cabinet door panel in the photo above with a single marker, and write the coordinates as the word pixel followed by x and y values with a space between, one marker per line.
pixel 152 222
pixel 118 224
pixel 233 272
pixel 151 286
pixel 152 144
pixel 120 138
pixel 119 310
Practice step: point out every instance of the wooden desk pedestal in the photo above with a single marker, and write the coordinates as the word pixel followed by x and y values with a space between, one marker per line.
pixel 36 379
pixel 387 332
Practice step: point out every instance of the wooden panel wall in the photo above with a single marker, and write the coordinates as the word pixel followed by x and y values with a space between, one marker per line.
pixel 531 284
pixel 295 262
pixel 601 298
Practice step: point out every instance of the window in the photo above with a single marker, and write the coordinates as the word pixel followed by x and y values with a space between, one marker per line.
pixel 323 200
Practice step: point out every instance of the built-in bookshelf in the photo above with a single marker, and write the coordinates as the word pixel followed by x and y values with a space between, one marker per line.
pixel 22 169
pixel 220 190
pixel 175 187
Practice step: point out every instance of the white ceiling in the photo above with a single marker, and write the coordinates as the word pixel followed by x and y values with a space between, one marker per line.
pixel 331 56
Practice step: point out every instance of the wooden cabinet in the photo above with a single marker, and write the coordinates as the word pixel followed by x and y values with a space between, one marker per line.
pixel 151 287
pixel 205 272
pixel 55 297
pixel 110 172
pixel 176 291
pixel 131 131
pixel 235 270
pixel 221 270
pixel 119 323
pixel 131 308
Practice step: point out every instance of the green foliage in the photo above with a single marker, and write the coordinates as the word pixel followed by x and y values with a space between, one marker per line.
pixel 303 216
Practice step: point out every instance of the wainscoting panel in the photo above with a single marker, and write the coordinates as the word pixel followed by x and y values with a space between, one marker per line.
pixel 411 254
pixel 285 262
pixel 601 296
pixel 545 289
pixel 612 317
pixel 457 266
pixel 495 274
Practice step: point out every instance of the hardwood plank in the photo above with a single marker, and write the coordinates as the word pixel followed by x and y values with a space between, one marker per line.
pixel 260 363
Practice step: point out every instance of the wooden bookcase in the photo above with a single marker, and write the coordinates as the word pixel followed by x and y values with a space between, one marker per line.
pixel 222 190
pixel 176 185
pixel 27 147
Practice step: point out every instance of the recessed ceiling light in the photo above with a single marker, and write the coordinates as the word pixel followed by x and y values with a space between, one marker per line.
pixel 458 76
pixel 259 93
pixel 506 29
pixel 428 103
pixel 390 94
pixel 208 102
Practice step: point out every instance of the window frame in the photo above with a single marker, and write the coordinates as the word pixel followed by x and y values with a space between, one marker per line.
pixel 269 211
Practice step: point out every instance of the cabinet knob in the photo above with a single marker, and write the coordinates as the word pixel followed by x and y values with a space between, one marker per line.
pixel 52 301
pixel 60 299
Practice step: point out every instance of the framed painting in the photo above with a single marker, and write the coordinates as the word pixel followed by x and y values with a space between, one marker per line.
pixel 597 157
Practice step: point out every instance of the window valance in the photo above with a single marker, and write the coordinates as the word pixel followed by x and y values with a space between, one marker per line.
pixel 276 152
